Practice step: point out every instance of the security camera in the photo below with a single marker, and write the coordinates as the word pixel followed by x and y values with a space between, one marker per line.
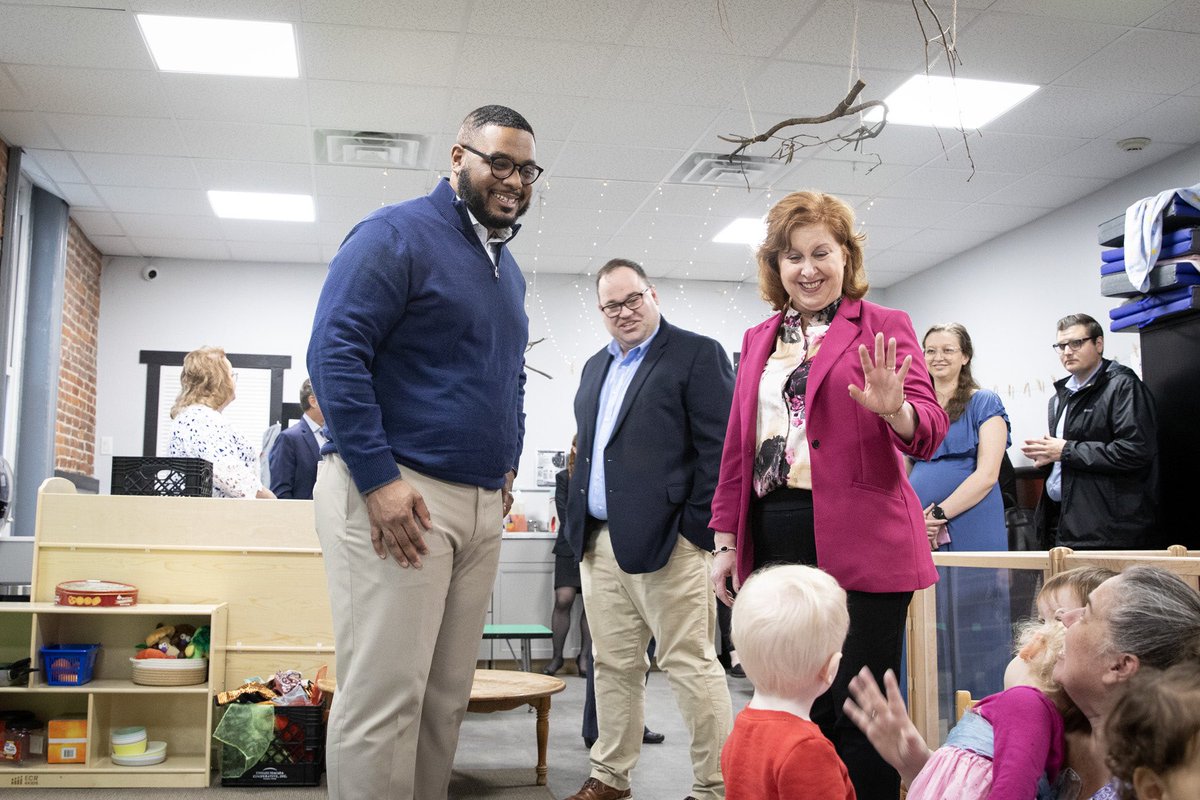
pixel 149 272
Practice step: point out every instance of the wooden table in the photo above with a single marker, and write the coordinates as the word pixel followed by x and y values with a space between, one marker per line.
pixel 503 689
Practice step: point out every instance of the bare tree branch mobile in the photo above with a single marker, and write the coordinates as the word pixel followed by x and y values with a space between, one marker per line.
pixel 529 347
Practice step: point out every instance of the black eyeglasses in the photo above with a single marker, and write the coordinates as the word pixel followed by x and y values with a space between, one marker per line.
pixel 633 303
pixel 1072 344
pixel 503 166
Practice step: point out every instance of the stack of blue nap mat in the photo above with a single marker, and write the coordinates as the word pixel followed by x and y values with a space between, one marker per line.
pixel 1174 280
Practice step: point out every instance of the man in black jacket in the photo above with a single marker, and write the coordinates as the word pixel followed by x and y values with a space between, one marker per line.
pixel 1101 490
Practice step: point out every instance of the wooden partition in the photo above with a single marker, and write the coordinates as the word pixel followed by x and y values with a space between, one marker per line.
pixel 260 558
pixel 922 628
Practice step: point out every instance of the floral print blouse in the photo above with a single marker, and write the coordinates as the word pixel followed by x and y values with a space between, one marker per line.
pixel 202 432
pixel 782 457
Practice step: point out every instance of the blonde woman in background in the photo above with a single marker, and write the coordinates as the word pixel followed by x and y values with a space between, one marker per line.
pixel 200 430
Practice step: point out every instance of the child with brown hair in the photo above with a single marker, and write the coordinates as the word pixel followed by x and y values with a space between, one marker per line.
pixel 1153 736
pixel 789 623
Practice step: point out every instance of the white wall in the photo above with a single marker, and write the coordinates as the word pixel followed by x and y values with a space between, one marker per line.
pixel 1010 292
pixel 268 309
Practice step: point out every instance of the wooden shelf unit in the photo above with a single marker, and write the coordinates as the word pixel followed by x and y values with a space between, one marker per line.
pixel 181 716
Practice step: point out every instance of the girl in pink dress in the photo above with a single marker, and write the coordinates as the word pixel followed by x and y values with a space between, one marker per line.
pixel 1010 746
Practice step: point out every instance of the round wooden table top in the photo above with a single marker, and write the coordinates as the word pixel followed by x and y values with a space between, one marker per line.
pixel 509 684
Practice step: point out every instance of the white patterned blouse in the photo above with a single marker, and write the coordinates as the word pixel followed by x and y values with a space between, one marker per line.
pixel 203 432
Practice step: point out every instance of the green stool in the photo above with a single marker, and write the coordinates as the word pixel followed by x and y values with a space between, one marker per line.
pixel 525 633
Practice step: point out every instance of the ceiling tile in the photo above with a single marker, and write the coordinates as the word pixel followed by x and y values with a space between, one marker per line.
pixel 1182 15
pixel 688 231
pixel 97 223
pixel 254 176
pixel 163 172
pixel 57 165
pixel 552 19
pixel 900 262
pixel 881 237
pixel 431 15
pixel 1125 12
pixel 1073 112
pixel 27 129
pixel 131 135
pixel 888 35
pixel 376 106
pixel 592 193
pixel 720 201
pixel 170 226
pixel 225 98
pixel 199 249
pixel 862 177
pixel 249 230
pixel 81 195
pixel 11 97
pixel 348 53
pixel 1008 152
pixel 131 93
pixel 280 252
pixel 1027 48
pixel 1103 159
pixel 800 89
pixel 245 141
pixel 944 241
pixel 604 120
pixel 552 116
pixel 615 162
pixel 72 37
pixel 933 183
pixel 112 245
pixel 550 67
pixel 344 210
pixel 372 185
pixel 908 213
pixel 670 76
pixel 142 200
pixel 905 145
pixel 740 28
pixel 1161 62
pixel 990 217
pixel 1050 190
pixel 1174 120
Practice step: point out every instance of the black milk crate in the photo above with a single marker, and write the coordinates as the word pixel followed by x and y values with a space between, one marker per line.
pixel 154 475
pixel 296 756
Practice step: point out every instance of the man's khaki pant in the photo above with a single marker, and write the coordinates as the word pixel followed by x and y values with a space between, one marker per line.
pixel 676 606
pixel 407 639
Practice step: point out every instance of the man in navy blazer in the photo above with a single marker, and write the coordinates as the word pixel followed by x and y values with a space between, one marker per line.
pixel 651 412
pixel 296 452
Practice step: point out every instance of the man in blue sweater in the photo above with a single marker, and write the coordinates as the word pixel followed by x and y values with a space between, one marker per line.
pixel 417 354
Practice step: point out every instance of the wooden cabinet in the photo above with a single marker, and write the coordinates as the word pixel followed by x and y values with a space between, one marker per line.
pixel 179 715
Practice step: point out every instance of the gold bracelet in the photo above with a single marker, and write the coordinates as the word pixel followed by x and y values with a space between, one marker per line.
pixel 897 412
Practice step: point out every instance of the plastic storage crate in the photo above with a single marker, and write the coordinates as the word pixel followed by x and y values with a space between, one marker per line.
pixel 296 756
pixel 153 475
pixel 69 664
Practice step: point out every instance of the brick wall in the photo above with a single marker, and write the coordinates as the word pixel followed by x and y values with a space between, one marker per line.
pixel 75 426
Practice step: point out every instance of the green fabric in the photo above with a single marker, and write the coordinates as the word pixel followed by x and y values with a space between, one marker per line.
pixel 245 731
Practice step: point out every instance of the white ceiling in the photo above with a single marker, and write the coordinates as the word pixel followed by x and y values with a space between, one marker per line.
pixel 619 92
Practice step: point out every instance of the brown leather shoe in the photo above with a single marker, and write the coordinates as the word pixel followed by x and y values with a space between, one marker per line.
pixel 595 790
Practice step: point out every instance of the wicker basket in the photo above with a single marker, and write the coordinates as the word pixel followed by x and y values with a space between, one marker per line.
pixel 169 671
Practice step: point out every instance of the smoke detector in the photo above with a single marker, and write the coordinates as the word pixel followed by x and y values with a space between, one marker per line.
pixel 1134 144
pixel 379 149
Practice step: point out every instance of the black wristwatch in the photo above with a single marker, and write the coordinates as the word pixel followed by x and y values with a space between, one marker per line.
pixel 936 512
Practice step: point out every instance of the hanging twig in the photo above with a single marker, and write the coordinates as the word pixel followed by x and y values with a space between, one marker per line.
pixel 948 39
pixel 788 145
pixel 529 347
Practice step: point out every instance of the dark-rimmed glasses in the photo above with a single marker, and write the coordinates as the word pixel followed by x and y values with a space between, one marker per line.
pixel 633 303
pixel 503 166
pixel 1072 344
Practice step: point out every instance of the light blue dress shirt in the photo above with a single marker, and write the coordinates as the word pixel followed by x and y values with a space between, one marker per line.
pixel 612 394
pixel 1054 481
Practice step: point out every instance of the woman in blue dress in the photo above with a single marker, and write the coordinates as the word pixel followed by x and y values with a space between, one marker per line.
pixel 964 511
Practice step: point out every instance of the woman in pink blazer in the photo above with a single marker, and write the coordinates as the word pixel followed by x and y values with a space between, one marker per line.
pixel 830 393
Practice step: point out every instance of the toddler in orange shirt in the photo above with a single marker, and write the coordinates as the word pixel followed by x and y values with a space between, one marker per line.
pixel 789 623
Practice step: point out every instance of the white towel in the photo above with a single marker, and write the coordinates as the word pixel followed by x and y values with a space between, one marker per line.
pixel 1143 232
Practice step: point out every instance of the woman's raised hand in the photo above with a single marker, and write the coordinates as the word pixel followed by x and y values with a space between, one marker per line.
pixel 883 383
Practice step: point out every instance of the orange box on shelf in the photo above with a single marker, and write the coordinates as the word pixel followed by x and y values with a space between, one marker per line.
pixel 66 741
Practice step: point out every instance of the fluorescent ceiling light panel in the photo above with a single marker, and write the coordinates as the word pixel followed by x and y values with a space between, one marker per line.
pixel 940 102
pixel 262 205
pixel 743 230
pixel 221 46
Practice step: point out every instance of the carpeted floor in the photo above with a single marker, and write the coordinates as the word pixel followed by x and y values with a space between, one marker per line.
pixel 498 784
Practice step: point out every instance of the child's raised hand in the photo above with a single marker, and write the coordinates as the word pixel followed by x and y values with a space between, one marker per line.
pixel 886 724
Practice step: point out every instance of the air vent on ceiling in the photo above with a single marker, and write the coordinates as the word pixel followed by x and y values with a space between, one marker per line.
pixel 377 149
pixel 718 169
